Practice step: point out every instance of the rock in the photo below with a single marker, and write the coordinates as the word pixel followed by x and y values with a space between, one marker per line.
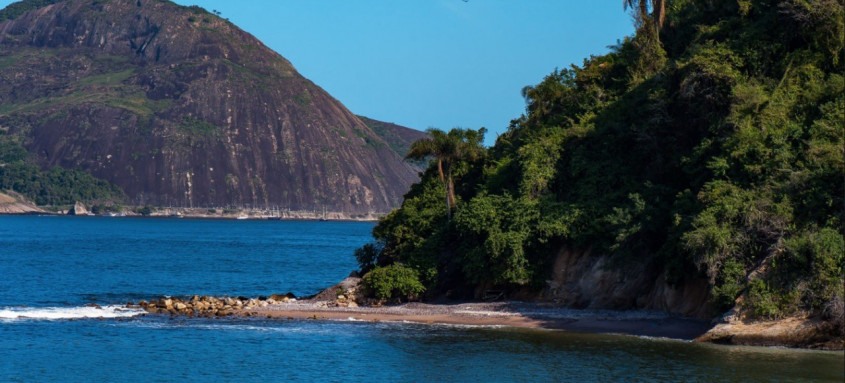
pixel 283 297
pixel 180 306
pixel 351 304
pixel 78 209
pixel 164 303
pixel 14 203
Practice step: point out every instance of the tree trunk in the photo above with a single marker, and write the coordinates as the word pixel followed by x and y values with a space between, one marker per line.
pixel 451 191
pixel 446 184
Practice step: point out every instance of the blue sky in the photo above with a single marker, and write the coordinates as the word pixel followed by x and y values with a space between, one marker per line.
pixel 429 63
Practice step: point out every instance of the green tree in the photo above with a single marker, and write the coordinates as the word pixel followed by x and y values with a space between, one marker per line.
pixel 655 18
pixel 448 149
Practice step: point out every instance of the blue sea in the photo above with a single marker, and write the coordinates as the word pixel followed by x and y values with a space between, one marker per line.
pixel 53 268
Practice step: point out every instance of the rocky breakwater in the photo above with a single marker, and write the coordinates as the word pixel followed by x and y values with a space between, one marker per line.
pixel 209 307
pixel 346 294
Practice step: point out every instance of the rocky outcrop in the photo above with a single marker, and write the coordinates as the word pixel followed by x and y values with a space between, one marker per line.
pixel 348 293
pixel 207 306
pixel 13 203
pixel 788 332
pixel 179 107
pixel 79 209
pixel 583 280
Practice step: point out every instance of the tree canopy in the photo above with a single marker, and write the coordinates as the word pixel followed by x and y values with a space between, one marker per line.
pixel 447 150
pixel 716 153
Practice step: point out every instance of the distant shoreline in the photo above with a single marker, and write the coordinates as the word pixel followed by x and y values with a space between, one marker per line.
pixel 202 217
pixel 12 203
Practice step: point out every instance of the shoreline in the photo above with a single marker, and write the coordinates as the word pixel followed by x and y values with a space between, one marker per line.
pixel 512 314
pixel 499 314
pixel 195 216
pixel 12 203
pixel 804 333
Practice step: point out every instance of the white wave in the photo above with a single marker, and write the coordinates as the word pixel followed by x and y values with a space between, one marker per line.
pixel 450 325
pixel 59 313
pixel 486 313
pixel 662 339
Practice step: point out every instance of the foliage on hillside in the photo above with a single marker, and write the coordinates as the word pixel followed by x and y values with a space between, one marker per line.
pixel 56 186
pixel 12 11
pixel 715 150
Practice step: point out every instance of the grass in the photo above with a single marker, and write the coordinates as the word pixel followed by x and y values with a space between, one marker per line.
pixel 197 127
pixel 108 79
pixel 8 61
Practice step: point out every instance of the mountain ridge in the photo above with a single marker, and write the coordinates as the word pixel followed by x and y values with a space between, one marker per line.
pixel 178 106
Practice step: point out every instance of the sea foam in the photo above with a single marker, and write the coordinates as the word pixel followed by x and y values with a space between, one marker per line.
pixel 61 313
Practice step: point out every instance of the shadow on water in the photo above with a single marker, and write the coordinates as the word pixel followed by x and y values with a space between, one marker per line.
pixel 633 322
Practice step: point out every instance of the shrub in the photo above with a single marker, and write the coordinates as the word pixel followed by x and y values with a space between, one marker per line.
pixel 368 256
pixel 729 285
pixel 396 281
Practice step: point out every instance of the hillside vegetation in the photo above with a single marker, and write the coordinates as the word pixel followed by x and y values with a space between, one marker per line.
pixel 53 187
pixel 710 149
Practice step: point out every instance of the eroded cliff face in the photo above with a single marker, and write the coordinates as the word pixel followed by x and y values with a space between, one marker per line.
pixel 180 107
pixel 582 280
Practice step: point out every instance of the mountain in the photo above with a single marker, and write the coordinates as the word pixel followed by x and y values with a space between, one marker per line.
pixel 177 106
pixel 399 138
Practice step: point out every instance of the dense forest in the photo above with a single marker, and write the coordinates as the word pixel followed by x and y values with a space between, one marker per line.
pixel 710 143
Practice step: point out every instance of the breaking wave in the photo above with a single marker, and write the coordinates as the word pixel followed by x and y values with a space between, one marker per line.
pixel 63 313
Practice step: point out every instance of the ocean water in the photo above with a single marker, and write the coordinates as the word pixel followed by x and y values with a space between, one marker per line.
pixel 52 267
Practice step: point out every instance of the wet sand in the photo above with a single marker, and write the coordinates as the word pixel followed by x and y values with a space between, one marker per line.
pixel 504 314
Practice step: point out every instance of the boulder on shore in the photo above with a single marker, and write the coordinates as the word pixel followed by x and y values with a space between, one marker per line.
pixel 78 209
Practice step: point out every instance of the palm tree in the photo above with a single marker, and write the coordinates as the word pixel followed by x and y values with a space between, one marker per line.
pixel 448 149
pixel 658 11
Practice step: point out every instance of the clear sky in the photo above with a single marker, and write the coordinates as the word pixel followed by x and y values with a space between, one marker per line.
pixel 429 63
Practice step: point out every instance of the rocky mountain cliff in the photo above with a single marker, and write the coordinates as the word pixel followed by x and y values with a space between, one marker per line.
pixel 178 106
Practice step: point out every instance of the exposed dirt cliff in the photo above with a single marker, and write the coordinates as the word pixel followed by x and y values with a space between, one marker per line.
pixel 179 107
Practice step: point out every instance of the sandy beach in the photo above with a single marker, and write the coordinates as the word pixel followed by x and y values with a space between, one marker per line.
pixel 505 314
